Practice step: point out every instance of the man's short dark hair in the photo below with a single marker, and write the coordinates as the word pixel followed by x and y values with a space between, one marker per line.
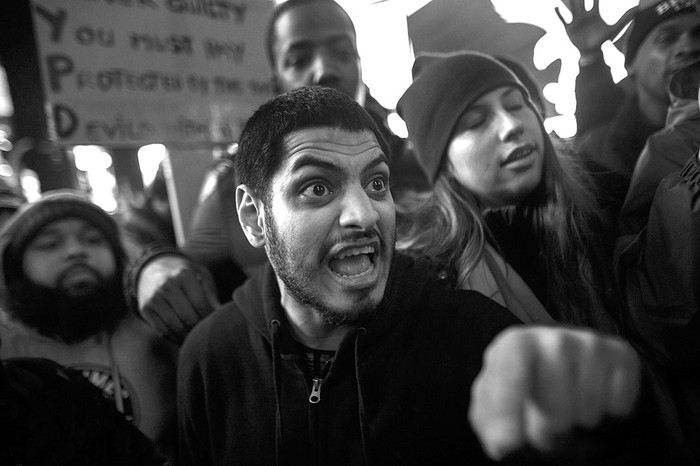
pixel 260 144
pixel 282 8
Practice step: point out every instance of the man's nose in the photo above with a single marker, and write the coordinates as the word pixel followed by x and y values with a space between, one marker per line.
pixel 358 211
pixel 75 247
pixel 325 70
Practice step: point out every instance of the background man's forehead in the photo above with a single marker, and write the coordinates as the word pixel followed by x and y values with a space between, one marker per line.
pixel 312 17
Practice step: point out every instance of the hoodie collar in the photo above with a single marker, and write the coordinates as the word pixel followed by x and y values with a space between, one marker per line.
pixel 259 301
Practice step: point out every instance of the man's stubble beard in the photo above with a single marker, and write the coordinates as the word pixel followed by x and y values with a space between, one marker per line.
pixel 291 271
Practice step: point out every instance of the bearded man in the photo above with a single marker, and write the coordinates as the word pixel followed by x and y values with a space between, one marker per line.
pixel 62 264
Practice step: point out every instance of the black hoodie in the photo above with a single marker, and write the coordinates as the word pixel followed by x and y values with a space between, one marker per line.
pixel 397 391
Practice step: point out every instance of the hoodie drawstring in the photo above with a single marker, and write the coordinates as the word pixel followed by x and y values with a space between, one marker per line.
pixel 275 326
pixel 360 400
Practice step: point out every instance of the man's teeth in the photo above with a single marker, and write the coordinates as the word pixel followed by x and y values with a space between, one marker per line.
pixel 353 262
pixel 355 252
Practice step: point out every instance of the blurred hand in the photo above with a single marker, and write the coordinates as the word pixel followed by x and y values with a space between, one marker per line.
pixel 539 383
pixel 174 294
pixel 587 30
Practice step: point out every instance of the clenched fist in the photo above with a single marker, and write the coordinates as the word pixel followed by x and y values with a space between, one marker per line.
pixel 540 383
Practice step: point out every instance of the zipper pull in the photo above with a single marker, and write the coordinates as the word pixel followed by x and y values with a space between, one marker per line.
pixel 315 396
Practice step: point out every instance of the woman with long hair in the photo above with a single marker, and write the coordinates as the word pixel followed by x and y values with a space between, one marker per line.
pixel 508 215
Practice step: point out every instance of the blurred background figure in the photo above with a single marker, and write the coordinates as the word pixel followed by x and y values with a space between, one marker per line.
pixel 63 299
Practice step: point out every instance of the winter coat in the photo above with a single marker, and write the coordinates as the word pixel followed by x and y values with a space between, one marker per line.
pixel 665 152
pixel 609 153
pixel 658 253
pixel 659 271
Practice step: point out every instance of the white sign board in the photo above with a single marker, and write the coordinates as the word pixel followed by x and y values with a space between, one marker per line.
pixel 133 72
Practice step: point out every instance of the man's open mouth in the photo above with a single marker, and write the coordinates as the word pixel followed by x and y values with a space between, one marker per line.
pixel 354 262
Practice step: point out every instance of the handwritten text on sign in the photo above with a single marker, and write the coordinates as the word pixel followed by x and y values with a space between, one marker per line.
pixel 132 72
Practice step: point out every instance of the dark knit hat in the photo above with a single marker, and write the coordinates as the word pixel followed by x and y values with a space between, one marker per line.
pixel 444 87
pixel 647 19
pixel 28 221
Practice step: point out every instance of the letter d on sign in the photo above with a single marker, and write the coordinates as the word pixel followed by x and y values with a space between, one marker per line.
pixel 65 121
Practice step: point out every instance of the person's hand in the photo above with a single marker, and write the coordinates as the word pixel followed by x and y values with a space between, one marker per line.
pixel 587 30
pixel 538 384
pixel 173 294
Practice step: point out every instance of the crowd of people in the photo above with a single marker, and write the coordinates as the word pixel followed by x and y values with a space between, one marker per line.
pixel 480 292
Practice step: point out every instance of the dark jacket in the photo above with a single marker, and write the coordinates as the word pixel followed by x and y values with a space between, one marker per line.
pixel 598 97
pixel 659 270
pixel 666 152
pixel 610 153
pixel 392 395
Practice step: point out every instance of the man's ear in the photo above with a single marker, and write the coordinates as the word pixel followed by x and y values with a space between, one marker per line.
pixel 251 215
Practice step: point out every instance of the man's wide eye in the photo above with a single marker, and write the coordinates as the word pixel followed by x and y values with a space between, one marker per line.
pixel 316 190
pixel 378 184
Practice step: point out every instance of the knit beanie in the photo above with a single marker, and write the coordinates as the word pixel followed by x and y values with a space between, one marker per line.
pixel 27 222
pixel 647 19
pixel 443 88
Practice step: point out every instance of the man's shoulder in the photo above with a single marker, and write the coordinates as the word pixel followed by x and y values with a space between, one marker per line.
pixel 221 326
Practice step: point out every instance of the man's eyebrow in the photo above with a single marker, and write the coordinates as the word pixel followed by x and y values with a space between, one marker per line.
pixel 377 161
pixel 47 230
pixel 311 161
pixel 333 41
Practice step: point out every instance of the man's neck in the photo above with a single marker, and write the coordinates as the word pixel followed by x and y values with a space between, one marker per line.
pixel 309 327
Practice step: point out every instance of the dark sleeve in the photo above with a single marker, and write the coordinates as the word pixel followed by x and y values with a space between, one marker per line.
pixel 216 239
pixel 597 96
pixel 133 271
pixel 208 241
pixel 658 269
pixel 666 152
pixel 210 244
